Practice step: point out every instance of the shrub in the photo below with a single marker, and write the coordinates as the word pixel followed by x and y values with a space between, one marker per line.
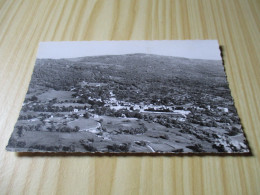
pixel 119 148
pixel 164 136
pixel 34 98
pixel 66 148
pixel 19 131
pixel 196 148
pixel 219 147
pixel 134 131
pixel 86 115
pixel 234 131
pixel 178 150
pixel 76 128
pixel 67 129
pixel 89 147
pixel 235 119
pixel 52 148
pixel 21 144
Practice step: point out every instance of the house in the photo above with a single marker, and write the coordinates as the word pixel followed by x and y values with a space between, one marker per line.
pixel 222 109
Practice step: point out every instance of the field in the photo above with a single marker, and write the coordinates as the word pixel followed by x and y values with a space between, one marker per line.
pixel 135 103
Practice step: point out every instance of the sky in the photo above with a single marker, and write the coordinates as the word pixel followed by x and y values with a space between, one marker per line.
pixel 195 49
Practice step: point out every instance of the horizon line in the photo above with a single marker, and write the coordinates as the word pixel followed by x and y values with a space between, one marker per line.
pixel 127 54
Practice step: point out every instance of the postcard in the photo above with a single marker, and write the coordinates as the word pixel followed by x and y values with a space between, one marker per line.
pixel 145 97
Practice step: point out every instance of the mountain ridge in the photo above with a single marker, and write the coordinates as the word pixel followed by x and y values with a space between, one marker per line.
pixel 129 55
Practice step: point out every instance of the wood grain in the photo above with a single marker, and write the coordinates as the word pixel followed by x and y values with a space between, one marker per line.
pixel 235 23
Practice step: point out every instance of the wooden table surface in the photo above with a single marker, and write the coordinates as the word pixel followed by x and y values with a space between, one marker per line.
pixel 235 23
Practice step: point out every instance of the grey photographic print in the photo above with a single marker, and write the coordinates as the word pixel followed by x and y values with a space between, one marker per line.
pixel 129 97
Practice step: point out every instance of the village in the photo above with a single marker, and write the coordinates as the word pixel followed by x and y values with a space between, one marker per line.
pixel 92 107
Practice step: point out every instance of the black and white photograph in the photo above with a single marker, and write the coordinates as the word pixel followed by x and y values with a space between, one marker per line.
pixel 129 97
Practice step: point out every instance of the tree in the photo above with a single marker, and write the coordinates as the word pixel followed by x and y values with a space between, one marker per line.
pixel 76 128
pixel 34 98
pixel 138 115
pixel 20 131
pixel 86 115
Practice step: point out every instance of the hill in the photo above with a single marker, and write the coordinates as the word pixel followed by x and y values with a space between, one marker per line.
pixel 139 67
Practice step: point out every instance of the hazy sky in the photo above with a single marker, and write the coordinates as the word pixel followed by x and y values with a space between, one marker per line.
pixel 198 49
